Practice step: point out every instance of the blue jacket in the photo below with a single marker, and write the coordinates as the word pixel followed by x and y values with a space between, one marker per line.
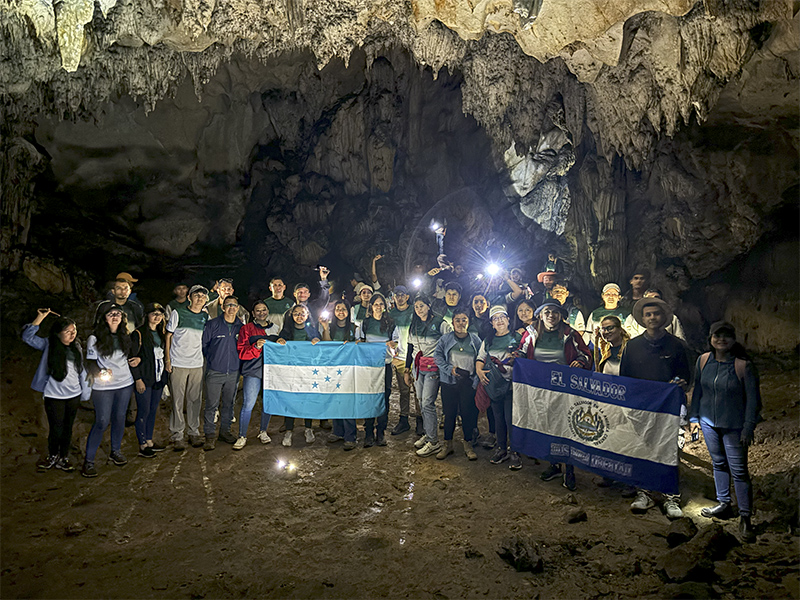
pixel 219 345
pixel 723 400
pixel 442 354
pixel 41 377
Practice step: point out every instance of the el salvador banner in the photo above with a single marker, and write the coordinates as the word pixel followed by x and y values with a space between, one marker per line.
pixel 326 380
pixel 618 427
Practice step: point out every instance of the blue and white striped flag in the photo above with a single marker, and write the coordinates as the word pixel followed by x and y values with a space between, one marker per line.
pixel 327 380
pixel 618 427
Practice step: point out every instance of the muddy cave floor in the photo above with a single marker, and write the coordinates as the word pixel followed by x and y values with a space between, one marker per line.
pixel 376 522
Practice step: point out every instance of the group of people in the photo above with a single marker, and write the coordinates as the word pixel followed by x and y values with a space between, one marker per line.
pixel 442 340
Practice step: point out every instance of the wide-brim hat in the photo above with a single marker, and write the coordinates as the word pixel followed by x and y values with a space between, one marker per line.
pixel 540 276
pixel 638 309
pixel 561 309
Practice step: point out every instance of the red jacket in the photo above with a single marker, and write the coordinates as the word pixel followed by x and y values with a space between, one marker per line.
pixel 251 357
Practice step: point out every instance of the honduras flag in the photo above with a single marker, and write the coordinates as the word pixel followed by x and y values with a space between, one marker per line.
pixel 618 427
pixel 327 380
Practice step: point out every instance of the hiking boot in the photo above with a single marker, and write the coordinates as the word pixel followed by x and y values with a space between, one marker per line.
pixel 349 446
pixel 48 462
pixel 147 452
pixel 420 428
pixel 401 427
pixel 64 464
pixel 429 449
pixel 263 437
pixel 210 443
pixel 672 507
pixel 515 462
pixel 421 442
pixel 240 443
pixel 287 439
pixel 369 439
pixel 118 458
pixel 487 441
pixel 333 438
pixel 642 503
pixel 179 446
pixel 447 450
pixel 720 511
pixel 746 530
pixel 88 470
pixel 309 435
pixel 469 451
pixel 196 441
pixel 380 439
pixel 500 455
pixel 551 472
pixel 227 437
pixel 569 478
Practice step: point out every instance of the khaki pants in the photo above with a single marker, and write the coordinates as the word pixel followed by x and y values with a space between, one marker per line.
pixel 187 393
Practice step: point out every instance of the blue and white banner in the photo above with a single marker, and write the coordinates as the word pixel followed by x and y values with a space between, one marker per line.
pixel 618 427
pixel 327 380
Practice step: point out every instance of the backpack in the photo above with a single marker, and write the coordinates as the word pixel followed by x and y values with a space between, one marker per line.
pixel 739 365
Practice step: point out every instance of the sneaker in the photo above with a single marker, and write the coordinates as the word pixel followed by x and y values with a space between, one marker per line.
pixel 380 439
pixel 48 462
pixel 209 444
pixel 746 530
pixel 310 437
pixel 118 458
pixel 469 451
pixel 672 507
pixel 421 442
pixel 642 503
pixel 488 441
pixel 515 462
pixel 569 479
pixel 196 441
pixel 551 472
pixel 227 437
pixel 64 464
pixel 88 470
pixel 500 455
pixel 264 438
pixel 240 443
pixel 179 446
pixel 401 427
pixel 429 449
pixel 447 450
pixel 333 438
pixel 157 447
pixel 287 439
pixel 349 446
pixel 146 452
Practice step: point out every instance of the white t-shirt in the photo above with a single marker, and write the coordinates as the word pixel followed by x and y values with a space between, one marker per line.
pixel 186 347
pixel 69 387
pixel 117 363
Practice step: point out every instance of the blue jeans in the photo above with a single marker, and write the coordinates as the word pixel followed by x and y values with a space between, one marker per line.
pixel 345 428
pixel 146 406
pixel 220 393
pixel 383 420
pixel 427 386
pixel 251 388
pixel 110 407
pixel 502 419
pixel 729 458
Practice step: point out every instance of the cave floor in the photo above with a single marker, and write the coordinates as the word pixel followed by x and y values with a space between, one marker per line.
pixel 377 522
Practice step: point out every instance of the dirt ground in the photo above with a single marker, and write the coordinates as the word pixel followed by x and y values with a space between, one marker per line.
pixel 377 522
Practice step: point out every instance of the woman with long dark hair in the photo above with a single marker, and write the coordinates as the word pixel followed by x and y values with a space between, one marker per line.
pixel 378 326
pixel 108 358
pixel 148 342
pixel 340 329
pixel 62 379
pixel 726 405
pixel 423 335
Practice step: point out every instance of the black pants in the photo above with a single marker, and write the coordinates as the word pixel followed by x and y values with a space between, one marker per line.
pixel 459 396
pixel 60 417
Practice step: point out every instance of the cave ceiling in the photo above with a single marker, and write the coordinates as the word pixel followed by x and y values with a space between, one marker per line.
pixel 591 122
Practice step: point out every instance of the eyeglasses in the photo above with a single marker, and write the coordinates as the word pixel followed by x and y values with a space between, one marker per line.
pixel 230 306
pixel 609 329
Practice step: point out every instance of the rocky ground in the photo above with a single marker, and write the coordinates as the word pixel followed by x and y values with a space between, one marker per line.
pixel 376 522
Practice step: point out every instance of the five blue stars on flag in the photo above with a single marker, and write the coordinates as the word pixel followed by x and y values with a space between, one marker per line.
pixel 327 378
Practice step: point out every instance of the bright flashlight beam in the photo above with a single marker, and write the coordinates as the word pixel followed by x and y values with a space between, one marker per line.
pixel 492 269
pixel 417 283
pixel 434 226
pixel 325 314
pixel 281 464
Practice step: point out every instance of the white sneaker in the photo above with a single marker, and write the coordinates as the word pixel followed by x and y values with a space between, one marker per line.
pixel 429 449
pixel 642 502
pixel 421 442
pixel 264 438
pixel 287 439
pixel 239 443
pixel 310 437
pixel 672 507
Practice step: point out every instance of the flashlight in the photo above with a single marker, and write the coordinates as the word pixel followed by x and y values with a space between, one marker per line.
pixel 105 375
pixel 479 276
pixel 492 269
pixel 281 464
pixel 434 226
pixel 325 315
pixel 417 283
